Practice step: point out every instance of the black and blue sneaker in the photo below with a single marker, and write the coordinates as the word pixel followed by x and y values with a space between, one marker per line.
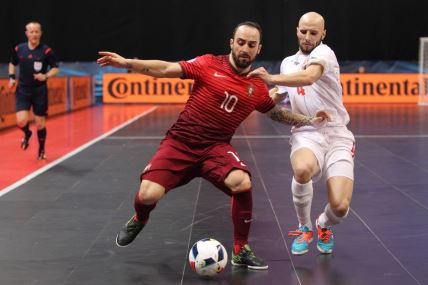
pixel 247 258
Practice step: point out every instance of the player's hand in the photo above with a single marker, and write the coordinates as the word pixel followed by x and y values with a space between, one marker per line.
pixel 111 59
pixel 262 73
pixel 273 91
pixel 276 95
pixel 11 83
pixel 320 117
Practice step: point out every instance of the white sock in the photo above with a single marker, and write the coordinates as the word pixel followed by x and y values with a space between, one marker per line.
pixel 328 218
pixel 302 199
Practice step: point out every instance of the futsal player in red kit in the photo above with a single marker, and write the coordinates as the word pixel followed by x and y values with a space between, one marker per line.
pixel 198 144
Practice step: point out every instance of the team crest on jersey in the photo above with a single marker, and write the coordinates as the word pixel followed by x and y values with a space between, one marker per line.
pixel 38 65
pixel 250 90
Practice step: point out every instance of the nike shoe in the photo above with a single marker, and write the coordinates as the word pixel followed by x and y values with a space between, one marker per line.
pixel 246 257
pixel 301 243
pixel 325 239
pixel 129 232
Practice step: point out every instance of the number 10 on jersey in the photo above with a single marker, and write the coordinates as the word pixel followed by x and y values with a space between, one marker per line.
pixel 229 102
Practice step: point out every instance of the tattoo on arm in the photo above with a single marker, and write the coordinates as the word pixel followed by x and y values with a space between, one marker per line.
pixel 285 116
pixel 142 70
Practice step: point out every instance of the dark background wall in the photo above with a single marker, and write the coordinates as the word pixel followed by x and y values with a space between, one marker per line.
pixel 174 30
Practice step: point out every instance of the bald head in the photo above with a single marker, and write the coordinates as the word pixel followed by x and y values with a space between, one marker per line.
pixel 313 19
pixel 310 31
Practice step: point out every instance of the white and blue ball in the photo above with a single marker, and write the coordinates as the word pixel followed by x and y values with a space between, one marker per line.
pixel 208 257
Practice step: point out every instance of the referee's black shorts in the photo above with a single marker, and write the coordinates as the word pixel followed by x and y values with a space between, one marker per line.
pixel 36 97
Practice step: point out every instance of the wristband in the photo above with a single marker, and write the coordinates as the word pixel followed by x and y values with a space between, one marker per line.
pixel 12 76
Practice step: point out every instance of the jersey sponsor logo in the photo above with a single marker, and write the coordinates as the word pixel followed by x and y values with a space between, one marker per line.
pixel 38 65
pixel 218 74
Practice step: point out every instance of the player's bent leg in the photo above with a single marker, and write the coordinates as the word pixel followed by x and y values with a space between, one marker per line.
pixel 239 182
pixel 145 201
pixel 340 195
pixel 302 199
pixel 305 165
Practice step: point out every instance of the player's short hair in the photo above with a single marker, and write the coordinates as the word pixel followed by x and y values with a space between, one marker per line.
pixel 251 24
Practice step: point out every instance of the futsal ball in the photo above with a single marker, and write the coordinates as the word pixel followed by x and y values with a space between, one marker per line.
pixel 208 257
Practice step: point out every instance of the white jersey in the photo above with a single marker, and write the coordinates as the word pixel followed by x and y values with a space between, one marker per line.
pixel 324 94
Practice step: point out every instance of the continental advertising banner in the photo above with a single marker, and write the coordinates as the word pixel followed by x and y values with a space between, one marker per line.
pixel 139 88
pixel 357 88
pixel 381 88
pixel 57 95
pixel 80 92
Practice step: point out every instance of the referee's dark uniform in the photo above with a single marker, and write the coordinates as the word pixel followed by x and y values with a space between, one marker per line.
pixel 31 92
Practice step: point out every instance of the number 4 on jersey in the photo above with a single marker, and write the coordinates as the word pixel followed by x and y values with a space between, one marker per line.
pixel 301 91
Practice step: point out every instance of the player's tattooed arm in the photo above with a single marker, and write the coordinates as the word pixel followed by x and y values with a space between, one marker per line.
pixel 285 116
pixel 156 68
pixel 130 65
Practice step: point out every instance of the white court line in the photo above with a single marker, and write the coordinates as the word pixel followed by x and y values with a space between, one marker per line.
pixel 409 136
pixel 36 173
pixel 269 199
pixel 189 240
pixel 385 247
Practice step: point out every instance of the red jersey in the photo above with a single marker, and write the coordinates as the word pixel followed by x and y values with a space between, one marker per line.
pixel 220 100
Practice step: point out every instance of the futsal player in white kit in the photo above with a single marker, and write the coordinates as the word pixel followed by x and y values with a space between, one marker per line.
pixel 310 78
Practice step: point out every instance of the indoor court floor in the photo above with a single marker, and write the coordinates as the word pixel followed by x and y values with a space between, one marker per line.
pixel 59 218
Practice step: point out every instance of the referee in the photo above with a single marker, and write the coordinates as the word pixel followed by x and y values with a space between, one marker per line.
pixel 37 63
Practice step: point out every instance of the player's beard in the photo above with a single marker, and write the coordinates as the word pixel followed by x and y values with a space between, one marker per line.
pixel 242 62
pixel 306 50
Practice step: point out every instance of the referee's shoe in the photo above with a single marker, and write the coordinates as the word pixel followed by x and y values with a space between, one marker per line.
pixel 25 140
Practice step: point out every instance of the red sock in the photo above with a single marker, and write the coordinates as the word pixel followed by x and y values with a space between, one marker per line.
pixel 242 205
pixel 142 211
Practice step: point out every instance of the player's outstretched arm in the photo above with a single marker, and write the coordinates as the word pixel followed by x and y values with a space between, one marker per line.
pixel 285 116
pixel 299 78
pixel 156 68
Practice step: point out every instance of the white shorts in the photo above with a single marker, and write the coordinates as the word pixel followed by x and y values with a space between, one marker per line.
pixel 334 148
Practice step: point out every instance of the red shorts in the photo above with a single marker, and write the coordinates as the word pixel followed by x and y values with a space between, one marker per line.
pixel 176 163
